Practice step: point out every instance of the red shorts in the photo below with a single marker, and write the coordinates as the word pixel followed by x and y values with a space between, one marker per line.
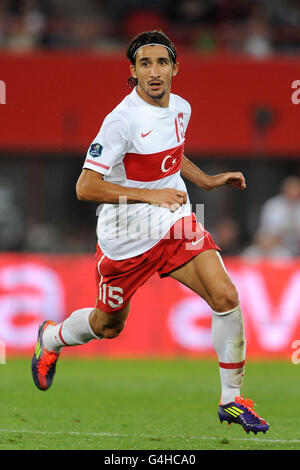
pixel 117 280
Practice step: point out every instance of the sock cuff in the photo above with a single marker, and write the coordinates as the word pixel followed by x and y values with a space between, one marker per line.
pixel 228 311
pixel 76 329
pixel 90 328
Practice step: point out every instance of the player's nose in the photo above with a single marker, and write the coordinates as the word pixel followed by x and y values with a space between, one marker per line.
pixel 154 71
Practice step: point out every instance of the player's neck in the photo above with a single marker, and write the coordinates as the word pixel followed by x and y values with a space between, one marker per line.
pixel 160 102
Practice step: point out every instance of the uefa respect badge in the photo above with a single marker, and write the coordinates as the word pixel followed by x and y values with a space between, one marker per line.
pixel 95 150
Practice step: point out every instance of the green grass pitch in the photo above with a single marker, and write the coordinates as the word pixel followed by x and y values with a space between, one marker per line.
pixel 143 404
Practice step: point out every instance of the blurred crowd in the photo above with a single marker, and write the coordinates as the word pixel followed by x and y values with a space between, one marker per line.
pixel 277 233
pixel 254 27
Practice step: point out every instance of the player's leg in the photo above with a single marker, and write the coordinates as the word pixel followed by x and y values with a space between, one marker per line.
pixel 108 325
pixel 84 325
pixel 80 327
pixel 206 275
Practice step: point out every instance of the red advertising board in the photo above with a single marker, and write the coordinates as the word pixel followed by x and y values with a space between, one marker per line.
pixel 56 101
pixel 166 318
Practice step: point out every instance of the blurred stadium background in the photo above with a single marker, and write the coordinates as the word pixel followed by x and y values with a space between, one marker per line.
pixel 62 69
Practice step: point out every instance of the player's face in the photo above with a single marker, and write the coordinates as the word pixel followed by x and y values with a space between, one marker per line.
pixel 154 71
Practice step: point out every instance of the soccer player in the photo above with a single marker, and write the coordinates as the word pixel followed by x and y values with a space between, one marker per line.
pixel 145 225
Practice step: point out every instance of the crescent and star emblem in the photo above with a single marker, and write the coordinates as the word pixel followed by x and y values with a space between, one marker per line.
pixel 163 164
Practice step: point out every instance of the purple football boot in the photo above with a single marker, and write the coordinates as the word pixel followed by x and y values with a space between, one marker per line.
pixel 241 411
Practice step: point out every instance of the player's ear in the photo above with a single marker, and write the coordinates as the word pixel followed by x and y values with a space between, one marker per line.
pixel 132 70
pixel 175 69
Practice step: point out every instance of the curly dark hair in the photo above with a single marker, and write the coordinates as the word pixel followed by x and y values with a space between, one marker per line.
pixel 148 37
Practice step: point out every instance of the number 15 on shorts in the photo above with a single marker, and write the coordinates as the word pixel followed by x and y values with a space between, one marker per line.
pixel 110 295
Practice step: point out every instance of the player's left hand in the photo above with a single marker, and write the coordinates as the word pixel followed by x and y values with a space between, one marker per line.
pixel 234 179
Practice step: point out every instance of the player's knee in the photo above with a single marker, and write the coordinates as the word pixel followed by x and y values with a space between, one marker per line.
pixel 108 325
pixel 226 298
pixel 109 331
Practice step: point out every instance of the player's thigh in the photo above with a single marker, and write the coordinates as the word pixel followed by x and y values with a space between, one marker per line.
pixel 206 275
pixel 109 324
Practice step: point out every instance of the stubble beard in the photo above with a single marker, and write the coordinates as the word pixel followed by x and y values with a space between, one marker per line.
pixel 156 98
pixel 153 95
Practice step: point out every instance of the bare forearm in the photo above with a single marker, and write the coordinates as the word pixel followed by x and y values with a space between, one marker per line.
pixel 91 187
pixel 195 175
pixel 111 193
pixel 235 179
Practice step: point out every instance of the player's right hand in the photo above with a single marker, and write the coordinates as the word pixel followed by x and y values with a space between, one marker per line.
pixel 170 198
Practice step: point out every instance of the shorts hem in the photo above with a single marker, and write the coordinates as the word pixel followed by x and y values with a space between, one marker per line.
pixel 115 310
pixel 163 274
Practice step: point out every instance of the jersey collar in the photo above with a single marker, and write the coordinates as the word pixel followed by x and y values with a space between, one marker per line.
pixel 151 107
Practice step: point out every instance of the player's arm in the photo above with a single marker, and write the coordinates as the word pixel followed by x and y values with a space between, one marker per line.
pixel 195 175
pixel 91 187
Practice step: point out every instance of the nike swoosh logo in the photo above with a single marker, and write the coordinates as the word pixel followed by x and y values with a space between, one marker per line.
pixel 145 134
pixel 197 241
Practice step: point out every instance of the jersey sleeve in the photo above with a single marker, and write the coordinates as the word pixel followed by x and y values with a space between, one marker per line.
pixel 187 115
pixel 109 146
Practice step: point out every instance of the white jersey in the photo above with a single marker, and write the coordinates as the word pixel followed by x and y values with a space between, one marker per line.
pixel 139 146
